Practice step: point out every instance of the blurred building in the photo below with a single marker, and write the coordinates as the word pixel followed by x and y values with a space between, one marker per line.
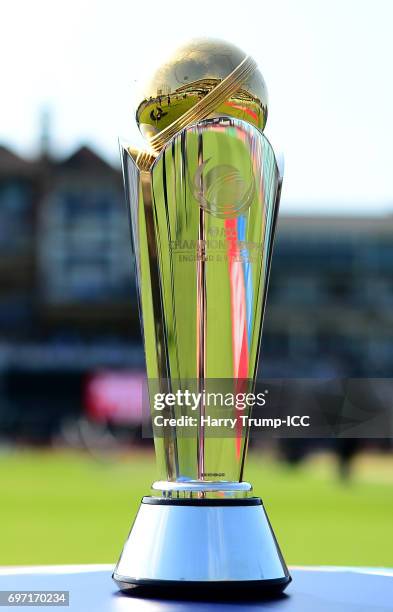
pixel 68 300
pixel 330 297
pixel 66 286
pixel 64 243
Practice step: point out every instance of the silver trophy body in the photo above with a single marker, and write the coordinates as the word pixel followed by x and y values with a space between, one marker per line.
pixel 203 213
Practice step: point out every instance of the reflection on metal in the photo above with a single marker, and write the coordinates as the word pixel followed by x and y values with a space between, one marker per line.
pixel 205 78
pixel 206 544
pixel 174 489
pixel 203 214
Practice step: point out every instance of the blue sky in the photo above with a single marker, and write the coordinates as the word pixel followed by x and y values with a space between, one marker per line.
pixel 327 65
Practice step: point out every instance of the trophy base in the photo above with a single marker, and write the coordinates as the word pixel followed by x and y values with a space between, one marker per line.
pixel 202 546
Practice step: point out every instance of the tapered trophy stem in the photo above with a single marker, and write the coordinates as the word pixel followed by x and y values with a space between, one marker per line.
pixel 203 214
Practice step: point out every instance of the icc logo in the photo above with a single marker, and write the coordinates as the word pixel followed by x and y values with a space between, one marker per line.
pixel 221 189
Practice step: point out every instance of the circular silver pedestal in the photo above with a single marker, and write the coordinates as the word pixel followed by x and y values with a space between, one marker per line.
pixel 202 542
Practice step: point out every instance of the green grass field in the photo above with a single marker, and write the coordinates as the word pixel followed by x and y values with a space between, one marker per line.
pixel 179 106
pixel 66 507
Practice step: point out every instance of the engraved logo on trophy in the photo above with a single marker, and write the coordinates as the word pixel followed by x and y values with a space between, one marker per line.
pixel 222 190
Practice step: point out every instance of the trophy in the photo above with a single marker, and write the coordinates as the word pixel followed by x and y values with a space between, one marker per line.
pixel 203 202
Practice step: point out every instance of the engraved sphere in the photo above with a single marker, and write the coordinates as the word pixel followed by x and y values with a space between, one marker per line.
pixel 188 76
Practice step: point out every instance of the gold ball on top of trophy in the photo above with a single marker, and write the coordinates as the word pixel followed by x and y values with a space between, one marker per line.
pixel 202 79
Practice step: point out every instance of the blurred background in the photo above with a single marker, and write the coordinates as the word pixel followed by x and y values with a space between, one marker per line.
pixel 73 464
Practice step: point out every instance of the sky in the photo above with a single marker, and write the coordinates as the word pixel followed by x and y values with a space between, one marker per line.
pixel 327 65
